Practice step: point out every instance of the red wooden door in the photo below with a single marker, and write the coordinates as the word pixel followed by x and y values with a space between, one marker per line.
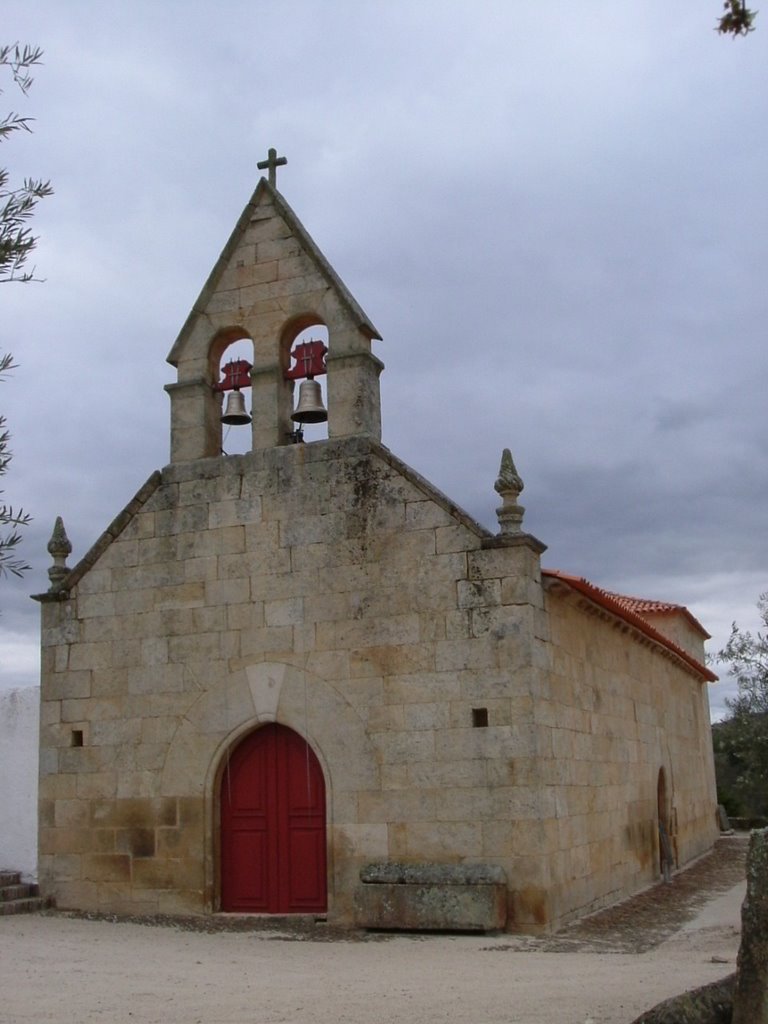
pixel 273 826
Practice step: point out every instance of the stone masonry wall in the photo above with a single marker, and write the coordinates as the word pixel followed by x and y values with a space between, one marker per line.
pixel 617 712
pixel 321 586
pixel 457 718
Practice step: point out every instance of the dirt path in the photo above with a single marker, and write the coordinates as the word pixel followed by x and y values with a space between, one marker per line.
pixel 607 970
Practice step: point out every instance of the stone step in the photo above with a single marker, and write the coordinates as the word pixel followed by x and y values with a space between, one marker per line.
pixel 23 906
pixel 16 892
pixel 10 878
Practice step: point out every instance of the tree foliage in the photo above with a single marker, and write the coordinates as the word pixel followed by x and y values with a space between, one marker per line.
pixel 16 244
pixel 741 739
pixel 11 520
pixel 18 204
pixel 738 19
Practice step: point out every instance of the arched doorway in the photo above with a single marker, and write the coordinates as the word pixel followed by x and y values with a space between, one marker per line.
pixel 273 826
pixel 666 859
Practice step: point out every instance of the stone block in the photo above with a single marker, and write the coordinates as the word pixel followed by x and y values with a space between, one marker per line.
pixel 465 804
pixel 400 550
pixel 66 685
pixel 426 716
pixel 137 784
pixel 96 605
pixel 83 657
pixel 421 687
pixel 384 718
pixel 264 226
pixel 454 538
pixel 396 805
pixel 125 653
pixel 437 775
pixel 138 842
pixel 392 660
pixel 528 908
pixel 405 747
pixel 286 612
pixel 269 642
pixel 154 873
pixel 106 867
pixel 276 248
pixel 458 655
pixel 333 666
pixel 295 266
pixel 426 515
pixel 48 763
pixel 157 679
pixel 70 813
pixel 395 629
pixel 57 787
pixel 66 867
pixel 431 908
pixel 228 591
pixel 66 839
pixel 72 895
pixel 395 776
pixel 444 841
pixel 190 901
pixel 368 840
pixel 249 274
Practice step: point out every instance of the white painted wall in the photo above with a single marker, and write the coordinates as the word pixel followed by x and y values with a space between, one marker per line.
pixel 19 725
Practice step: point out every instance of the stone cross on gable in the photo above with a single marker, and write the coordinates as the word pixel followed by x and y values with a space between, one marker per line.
pixel 271 164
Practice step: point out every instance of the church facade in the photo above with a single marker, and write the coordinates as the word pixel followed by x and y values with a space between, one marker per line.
pixel 303 680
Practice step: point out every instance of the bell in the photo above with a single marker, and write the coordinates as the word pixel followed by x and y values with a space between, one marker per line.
pixel 235 413
pixel 310 408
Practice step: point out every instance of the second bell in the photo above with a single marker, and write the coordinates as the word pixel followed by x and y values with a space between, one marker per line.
pixel 310 408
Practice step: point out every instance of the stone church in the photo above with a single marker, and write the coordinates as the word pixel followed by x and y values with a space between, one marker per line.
pixel 301 680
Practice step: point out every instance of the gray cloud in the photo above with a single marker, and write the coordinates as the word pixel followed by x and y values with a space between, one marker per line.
pixel 556 216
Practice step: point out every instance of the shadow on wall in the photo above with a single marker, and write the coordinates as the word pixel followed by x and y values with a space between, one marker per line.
pixel 19 726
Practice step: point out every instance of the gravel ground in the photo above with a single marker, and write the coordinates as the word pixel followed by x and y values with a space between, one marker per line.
pixel 607 969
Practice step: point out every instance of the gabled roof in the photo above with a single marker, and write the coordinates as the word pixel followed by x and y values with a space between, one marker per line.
pixel 627 608
pixel 266 192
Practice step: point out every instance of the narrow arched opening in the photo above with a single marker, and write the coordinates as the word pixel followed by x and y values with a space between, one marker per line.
pixel 231 359
pixel 304 345
pixel 666 855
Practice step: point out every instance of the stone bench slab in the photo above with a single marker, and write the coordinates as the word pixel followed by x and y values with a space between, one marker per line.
pixel 432 897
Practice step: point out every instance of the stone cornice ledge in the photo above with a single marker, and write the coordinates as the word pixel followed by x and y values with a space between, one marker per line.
pixel 516 540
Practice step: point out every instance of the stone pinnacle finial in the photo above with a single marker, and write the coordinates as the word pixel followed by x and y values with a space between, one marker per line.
pixel 509 485
pixel 59 547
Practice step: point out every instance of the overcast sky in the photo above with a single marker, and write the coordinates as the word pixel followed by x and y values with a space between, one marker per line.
pixel 555 214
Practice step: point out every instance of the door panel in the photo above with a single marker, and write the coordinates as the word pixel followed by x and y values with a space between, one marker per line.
pixel 273 839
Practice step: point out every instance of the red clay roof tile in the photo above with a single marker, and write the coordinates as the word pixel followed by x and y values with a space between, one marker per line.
pixel 629 609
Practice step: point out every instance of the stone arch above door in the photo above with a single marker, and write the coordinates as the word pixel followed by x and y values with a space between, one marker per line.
pixel 256 694
pixel 270 692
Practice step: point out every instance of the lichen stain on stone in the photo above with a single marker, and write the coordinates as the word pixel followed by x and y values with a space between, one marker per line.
pixel 366 484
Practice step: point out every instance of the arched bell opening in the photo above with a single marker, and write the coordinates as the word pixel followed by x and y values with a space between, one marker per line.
pixel 303 347
pixel 231 360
